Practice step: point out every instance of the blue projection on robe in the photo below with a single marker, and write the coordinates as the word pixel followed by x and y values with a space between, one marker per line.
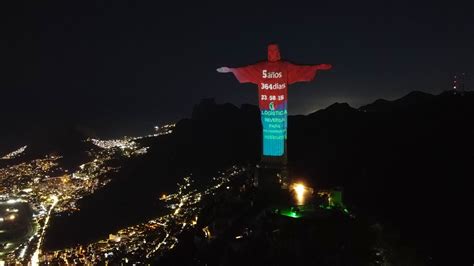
pixel 274 124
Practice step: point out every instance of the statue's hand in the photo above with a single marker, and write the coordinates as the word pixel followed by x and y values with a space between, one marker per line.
pixel 325 66
pixel 223 70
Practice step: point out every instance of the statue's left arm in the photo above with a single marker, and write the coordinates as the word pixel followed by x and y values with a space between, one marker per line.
pixel 301 73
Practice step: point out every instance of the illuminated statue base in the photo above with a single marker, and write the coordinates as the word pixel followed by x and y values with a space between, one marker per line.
pixel 276 162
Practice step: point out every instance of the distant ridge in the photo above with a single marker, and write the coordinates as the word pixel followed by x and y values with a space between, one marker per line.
pixel 333 109
pixel 412 98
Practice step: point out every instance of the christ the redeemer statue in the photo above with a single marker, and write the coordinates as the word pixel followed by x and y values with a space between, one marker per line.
pixel 273 77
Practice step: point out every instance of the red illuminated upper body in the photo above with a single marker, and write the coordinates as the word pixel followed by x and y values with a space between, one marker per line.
pixel 273 77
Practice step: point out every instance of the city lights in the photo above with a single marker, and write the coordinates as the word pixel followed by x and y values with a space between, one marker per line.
pixel 14 154
pixel 49 189
pixel 153 237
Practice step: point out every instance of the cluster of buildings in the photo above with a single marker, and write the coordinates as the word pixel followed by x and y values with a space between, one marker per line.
pixel 14 154
pixel 164 129
pixel 149 239
pixel 19 180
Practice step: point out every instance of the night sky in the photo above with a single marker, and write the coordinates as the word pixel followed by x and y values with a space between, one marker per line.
pixel 119 68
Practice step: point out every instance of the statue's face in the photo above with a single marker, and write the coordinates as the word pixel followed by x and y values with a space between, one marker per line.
pixel 273 53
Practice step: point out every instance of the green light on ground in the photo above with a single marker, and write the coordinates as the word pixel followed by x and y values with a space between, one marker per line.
pixel 291 214
pixel 327 207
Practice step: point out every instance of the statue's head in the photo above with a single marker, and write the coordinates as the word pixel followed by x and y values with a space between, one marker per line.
pixel 273 53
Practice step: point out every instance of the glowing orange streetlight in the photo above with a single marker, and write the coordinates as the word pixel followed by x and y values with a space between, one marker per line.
pixel 300 192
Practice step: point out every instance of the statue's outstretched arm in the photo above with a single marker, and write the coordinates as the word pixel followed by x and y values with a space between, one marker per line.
pixel 302 73
pixel 250 73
